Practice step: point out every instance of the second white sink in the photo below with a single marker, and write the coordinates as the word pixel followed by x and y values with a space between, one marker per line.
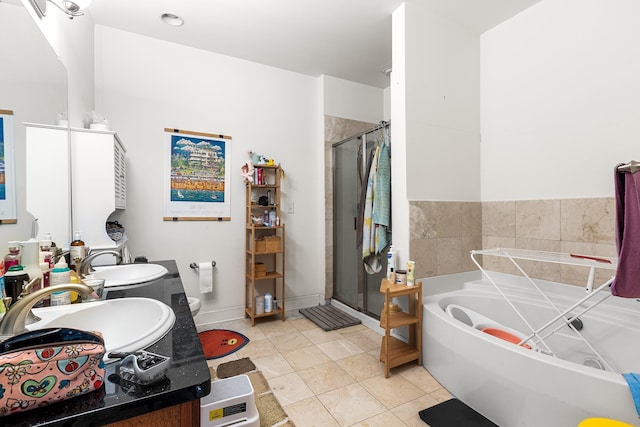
pixel 129 274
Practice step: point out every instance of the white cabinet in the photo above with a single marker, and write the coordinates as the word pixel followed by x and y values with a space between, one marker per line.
pixel 98 183
pixel 76 181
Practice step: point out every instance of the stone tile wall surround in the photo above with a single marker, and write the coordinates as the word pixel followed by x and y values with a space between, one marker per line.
pixel 443 233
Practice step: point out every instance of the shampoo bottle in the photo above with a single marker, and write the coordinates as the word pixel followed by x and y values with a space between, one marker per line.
pixel 77 251
pixel 391 264
pixel 268 303
pixel 58 276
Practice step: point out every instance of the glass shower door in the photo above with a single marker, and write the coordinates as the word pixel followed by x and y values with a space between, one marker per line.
pixel 347 285
pixel 352 285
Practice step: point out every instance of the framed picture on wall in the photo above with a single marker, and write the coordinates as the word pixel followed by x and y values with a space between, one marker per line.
pixel 8 213
pixel 197 176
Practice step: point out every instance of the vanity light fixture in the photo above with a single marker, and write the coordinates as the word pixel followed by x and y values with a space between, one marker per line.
pixel 171 19
pixel 71 8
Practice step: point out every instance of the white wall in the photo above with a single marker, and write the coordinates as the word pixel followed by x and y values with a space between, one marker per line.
pixel 560 99
pixel 350 100
pixel 442 107
pixel 32 95
pixel 72 40
pixel 144 85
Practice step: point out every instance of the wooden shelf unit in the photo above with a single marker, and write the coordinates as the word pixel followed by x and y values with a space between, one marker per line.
pixel 393 351
pixel 264 245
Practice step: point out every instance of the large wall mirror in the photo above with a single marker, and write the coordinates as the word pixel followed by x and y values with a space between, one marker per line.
pixel 33 84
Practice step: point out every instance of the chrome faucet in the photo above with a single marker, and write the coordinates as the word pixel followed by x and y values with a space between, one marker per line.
pixel 85 264
pixel 15 319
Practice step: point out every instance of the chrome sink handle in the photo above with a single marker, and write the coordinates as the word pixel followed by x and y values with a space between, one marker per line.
pixel 14 320
pixel 85 264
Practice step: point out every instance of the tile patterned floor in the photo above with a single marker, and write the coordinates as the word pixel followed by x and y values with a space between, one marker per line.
pixel 334 378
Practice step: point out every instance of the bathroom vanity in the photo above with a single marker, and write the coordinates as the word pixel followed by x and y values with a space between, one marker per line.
pixel 173 401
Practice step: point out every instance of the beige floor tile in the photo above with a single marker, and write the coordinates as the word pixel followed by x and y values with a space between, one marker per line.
pixel 273 366
pixel 386 419
pixel 253 333
pixel 289 389
pixel 366 340
pixel 420 377
pixel 408 412
pixel 276 327
pixel 351 404
pixel 290 341
pixel 303 324
pixel 255 349
pixel 326 377
pixel 441 394
pixel 361 366
pixel 392 391
pixel 355 329
pixel 310 412
pixel 318 335
pixel 339 349
pixel 306 357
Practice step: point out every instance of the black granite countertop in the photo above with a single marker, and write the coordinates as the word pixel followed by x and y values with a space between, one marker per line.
pixel 187 378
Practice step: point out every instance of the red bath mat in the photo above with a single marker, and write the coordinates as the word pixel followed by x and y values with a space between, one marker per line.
pixel 218 343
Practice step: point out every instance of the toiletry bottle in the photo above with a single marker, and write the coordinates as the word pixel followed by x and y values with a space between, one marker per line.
pixel 411 265
pixel 391 264
pixel 268 303
pixel 265 218
pixel 55 250
pixel 13 257
pixel 58 276
pixel 77 251
pixel 46 281
pixel 45 251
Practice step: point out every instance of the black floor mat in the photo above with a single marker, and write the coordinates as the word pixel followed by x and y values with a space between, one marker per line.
pixel 453 413
pixel 328 317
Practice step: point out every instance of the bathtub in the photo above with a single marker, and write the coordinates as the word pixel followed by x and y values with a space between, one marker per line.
pixel 516 386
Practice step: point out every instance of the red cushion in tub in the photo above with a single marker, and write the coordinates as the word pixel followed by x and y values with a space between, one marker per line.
pixel 507 336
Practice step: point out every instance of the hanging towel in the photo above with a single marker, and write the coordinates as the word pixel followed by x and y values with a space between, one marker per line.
pixel 382 201
pixel 627 280
pixel 372 262
pixel 362 202
pixel 634 386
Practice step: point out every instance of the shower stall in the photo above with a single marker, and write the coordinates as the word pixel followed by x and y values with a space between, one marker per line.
pixel 352 285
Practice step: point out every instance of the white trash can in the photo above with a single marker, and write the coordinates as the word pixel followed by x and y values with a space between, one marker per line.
pixel 231 402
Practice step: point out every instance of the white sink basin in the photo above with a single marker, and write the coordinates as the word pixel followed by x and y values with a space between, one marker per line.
pixel 126 324
pixel 129 274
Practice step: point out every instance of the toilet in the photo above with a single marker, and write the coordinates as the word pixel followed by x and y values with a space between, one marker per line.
pixel 194 305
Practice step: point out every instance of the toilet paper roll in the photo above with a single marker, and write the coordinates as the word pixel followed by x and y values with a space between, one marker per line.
pixel 205 272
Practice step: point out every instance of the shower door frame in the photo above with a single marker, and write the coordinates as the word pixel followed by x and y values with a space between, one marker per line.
pixel 363 278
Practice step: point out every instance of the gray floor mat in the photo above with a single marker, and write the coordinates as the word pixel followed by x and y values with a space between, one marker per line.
pixel 328 317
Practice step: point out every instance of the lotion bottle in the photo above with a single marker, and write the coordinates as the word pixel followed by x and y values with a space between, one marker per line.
pixel 60 275
pixel 77 251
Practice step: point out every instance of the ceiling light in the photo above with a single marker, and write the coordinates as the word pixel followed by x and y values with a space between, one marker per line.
pixel 171 19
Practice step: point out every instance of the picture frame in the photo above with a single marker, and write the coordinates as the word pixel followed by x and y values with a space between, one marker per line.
pixel 197 176
pixel 8 211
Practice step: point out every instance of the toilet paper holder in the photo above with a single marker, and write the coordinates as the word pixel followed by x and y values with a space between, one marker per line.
pixel 195 266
